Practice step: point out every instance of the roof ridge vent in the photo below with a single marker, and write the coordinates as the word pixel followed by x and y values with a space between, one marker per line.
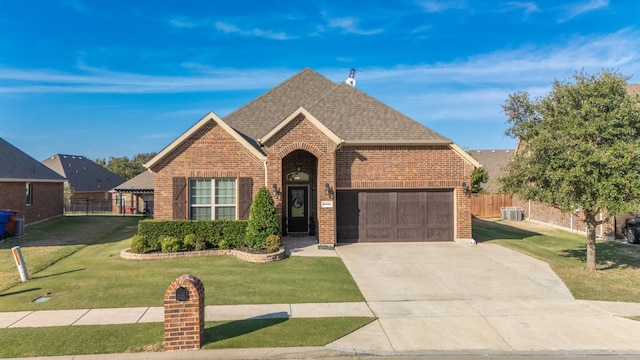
pixel 351 80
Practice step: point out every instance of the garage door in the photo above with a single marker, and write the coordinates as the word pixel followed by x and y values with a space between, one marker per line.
pixel 383 216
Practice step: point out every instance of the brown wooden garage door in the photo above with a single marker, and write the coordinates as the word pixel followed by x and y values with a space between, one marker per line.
pixel 383 216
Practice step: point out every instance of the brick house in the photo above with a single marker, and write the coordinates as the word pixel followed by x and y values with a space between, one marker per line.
pixel 90 183
pixel 134 196
pixel 29 187
pixel 332 157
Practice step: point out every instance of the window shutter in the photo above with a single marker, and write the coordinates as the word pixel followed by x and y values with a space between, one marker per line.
pixel 245 198
pixel 179 198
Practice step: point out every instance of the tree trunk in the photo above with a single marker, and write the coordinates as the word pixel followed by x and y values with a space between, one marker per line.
pixel 590 220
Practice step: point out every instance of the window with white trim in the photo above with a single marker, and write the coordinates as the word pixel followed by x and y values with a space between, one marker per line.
pixel 29 194
pixel 212 199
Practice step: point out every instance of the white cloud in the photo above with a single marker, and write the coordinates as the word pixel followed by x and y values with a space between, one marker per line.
pixel 182 22
pixel 574 10
pixel 350 25
pixel 440 6
pixel 528 6
pixel 228 28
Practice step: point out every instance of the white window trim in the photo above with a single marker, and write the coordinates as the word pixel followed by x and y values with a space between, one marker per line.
pixel 213 204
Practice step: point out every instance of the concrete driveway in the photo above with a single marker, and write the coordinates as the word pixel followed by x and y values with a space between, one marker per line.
pixel 433 297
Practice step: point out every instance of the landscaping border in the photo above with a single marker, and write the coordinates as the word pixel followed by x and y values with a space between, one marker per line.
pixel 243 255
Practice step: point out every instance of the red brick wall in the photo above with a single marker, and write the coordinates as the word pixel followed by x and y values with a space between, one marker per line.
pixel 300 134
pixel 408 167
pixel 184 320
pixel 210 152
pixel 574 222
pixel 47 200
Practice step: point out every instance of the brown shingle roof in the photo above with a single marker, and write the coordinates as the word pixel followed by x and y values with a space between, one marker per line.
pixel 15 165
pixel 84 175
pixel 349 113
pixel 140 183
pixel 633 89
pixel 494 162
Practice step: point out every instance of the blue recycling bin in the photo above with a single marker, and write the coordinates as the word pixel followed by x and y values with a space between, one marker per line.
pixel 4 219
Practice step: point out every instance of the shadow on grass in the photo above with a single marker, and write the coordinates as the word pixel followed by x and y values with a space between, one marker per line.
pixel 76 230
pixel 238 328
pixel 58 274
pixel 485 230
pixel 20 292
pixel 609 255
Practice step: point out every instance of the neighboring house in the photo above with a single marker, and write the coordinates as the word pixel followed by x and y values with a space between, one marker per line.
pixel 494 162
pixel 134 196
pixel 90 183
pixel 334 158
pixel 28 187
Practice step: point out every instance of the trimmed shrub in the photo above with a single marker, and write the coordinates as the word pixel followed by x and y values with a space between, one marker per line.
pixel 171 244
pixel 190 242
pixel 272 243
pixel 263 220
pixel 138 245
pixel 209 232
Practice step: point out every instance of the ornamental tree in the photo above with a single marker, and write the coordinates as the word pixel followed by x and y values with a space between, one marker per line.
pixel 263 220
pixel 580 149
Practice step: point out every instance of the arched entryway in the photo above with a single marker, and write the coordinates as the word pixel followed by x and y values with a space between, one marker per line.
pixel 300 196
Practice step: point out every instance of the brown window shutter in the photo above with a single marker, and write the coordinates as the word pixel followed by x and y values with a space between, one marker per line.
pixel 245 197
pixel 179 198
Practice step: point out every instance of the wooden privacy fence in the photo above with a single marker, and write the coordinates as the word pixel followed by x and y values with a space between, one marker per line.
pixel 488 205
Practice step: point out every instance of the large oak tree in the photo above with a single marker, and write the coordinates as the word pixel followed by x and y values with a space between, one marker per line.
pixel 579 149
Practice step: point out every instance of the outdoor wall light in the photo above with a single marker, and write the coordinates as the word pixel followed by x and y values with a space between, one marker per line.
pixel 466 189
pixel 274 190
pixel 327 190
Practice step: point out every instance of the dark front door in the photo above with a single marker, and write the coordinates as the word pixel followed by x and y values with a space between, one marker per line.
pixel 297 209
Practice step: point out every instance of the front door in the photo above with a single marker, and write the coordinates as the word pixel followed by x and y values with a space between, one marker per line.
pixel 298 209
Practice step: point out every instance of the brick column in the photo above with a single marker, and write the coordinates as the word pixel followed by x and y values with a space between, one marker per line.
pixel 184 314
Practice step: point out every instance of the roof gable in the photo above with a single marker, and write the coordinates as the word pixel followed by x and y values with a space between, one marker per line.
pixel 260 116
pixel 84 175
pixel 301 111
pixel 206 119
pixel 15 165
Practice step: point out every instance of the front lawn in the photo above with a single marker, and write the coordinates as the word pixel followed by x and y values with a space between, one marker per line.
pixel 94 276
pixel 618 263
pixel 109 339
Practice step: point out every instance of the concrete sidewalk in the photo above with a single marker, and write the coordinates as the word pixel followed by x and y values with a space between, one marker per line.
pixel 44 318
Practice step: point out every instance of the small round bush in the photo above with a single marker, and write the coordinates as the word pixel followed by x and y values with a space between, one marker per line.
pixel 223 244
pixel 171 244
pixel 139 244
pixel 272 243
pixel 190 241
pixel 200 244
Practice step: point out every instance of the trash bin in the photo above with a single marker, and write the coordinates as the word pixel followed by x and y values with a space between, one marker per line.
pixel 18 226
pixel 4 218
pixel 12 215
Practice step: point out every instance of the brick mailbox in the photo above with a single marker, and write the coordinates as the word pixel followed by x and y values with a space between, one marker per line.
pixel 184 314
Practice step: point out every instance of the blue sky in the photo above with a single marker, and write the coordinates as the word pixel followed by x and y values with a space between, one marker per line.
pixel 118 78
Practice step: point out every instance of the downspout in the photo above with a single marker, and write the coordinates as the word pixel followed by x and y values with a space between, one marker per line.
pixel 266 181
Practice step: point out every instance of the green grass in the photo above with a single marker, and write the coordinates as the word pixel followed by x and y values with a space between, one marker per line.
pixel 95 276
pixel 109 339
pixel 618 263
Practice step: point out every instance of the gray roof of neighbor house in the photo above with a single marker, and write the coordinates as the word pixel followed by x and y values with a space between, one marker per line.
pixel 142 183
pixel 348 112
pixel 15 165
pixel 494 161
pixel 84 175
